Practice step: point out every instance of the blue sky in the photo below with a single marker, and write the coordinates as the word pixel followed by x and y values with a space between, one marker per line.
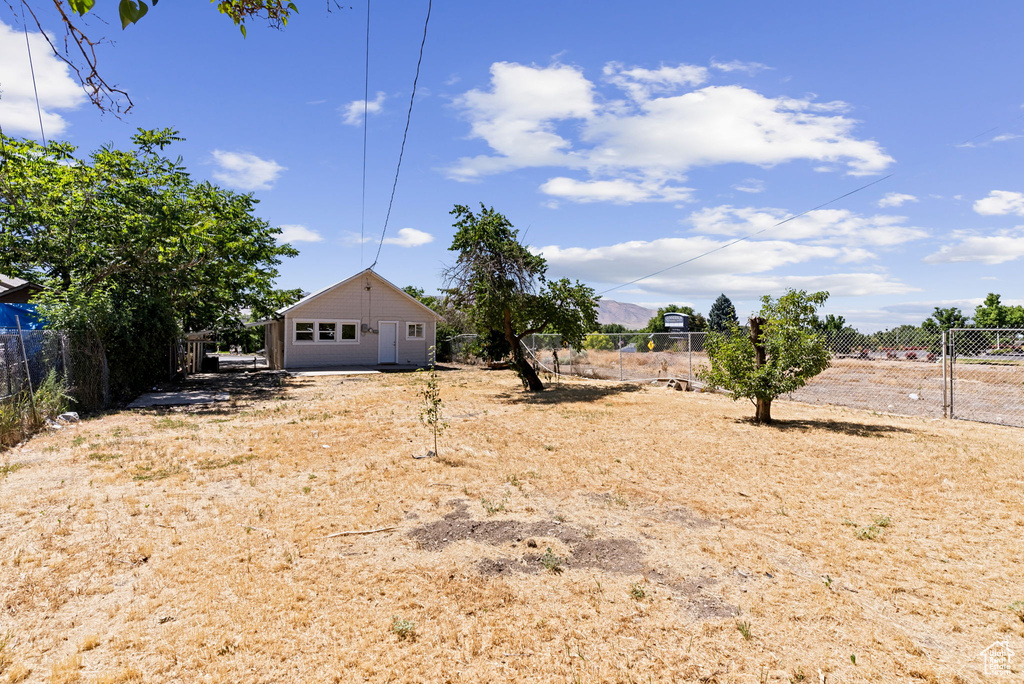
pixel 620 138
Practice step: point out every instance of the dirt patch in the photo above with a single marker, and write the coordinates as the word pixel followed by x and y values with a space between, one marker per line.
pixel 438 535
pixel 610 555
pixel 688 518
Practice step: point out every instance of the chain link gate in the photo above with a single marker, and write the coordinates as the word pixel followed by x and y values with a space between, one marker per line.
pixel 984 369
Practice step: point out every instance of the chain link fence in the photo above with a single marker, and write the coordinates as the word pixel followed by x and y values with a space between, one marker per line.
pixel 986 375
pixel 40 370
pixel 979 377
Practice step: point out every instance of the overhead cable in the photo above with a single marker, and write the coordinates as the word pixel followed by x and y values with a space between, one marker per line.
pixel 405 135
pixel 746 237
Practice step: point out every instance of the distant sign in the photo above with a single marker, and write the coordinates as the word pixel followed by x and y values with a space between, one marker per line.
pixel 676 322
pixel 650 345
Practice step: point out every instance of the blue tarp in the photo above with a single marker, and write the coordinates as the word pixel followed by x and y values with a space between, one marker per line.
pixel 11 313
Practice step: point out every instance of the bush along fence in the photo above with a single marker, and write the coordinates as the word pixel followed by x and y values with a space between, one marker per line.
pixel 42 374
pixel 972 374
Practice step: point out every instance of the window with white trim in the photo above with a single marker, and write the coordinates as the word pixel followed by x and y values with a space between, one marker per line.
pixel 326 332
pixel 415 331
pixel 304 331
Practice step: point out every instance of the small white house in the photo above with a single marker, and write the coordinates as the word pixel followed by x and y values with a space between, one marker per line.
pixel 362 321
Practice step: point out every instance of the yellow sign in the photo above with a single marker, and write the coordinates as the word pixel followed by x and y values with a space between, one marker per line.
pixel 650 345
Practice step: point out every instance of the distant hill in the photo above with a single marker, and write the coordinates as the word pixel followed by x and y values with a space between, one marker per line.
pixel 633 316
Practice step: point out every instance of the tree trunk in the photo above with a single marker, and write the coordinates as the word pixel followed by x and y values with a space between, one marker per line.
pixel 520 364
pixel 763 411
pixel 763 407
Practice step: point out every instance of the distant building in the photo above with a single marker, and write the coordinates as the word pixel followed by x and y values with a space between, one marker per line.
pixel 16 291
pixel 361 321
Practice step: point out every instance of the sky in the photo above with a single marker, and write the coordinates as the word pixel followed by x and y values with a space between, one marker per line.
pixel 620 139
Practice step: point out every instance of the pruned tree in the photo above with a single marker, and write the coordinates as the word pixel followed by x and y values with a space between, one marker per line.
pixel 780 354
pixel 722 316
pixel 502 286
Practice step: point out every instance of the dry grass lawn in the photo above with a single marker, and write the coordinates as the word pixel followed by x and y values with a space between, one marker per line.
pixel 592 533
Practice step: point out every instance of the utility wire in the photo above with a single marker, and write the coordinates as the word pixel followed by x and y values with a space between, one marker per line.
pixel 32 69
pixel 405 135
pixel 366 97
pixel 748 236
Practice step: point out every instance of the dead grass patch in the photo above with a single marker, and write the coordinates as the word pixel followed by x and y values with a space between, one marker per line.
pixel 591 533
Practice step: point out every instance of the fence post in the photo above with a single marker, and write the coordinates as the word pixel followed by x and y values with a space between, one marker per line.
pixel 945 387
pixel 689 360
pixel 621 373
pixel 28 372
pixel 952 370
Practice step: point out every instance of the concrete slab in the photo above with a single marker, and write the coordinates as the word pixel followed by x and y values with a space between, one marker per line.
pixel 183 398
pixel 313 372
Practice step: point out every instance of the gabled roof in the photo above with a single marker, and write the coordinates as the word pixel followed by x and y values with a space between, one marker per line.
pixel 311 297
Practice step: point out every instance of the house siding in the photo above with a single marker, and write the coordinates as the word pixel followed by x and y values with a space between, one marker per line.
pixel 353 302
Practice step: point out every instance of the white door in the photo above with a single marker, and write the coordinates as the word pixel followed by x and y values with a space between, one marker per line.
pixel 387 349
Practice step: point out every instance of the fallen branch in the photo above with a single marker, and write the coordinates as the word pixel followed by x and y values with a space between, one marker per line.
pixel 355 532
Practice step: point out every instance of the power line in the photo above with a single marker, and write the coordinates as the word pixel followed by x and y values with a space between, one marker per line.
pixel 405 135
pixel 366 97
pixel 748 236
pixel 32 69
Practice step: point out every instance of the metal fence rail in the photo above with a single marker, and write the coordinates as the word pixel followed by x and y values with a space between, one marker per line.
pixel 978 374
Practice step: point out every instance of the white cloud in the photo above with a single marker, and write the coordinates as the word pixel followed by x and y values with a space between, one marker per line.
pixel 246 171
pixel 619 191
pixel 1003 137
pixel 1000 203
pixel 641 83
pixel 409 237
pixel 296 233
pixel 895 199
pixel 535 117
pixel 1006 245
pixel 352 113
pixel 828 226
pixel 742 270
pixel 57 89
pixel 749 68
pixel 751 185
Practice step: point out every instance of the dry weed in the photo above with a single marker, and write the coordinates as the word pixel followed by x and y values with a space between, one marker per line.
pixel 589 533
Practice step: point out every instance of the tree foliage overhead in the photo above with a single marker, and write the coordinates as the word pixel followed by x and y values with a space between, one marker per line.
pixel 722 316
pixel 131 248
pixel 77 48
pixel 502 286
pixel 780 354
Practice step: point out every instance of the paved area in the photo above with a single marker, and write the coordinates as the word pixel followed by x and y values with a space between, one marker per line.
pixel 180 398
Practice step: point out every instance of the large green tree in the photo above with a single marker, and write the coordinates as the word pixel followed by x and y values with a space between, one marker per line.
pixel 994 314
pixel 945 319
pixel 503 288
pixel 131 249
pixel 780 354
pixel 722 316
